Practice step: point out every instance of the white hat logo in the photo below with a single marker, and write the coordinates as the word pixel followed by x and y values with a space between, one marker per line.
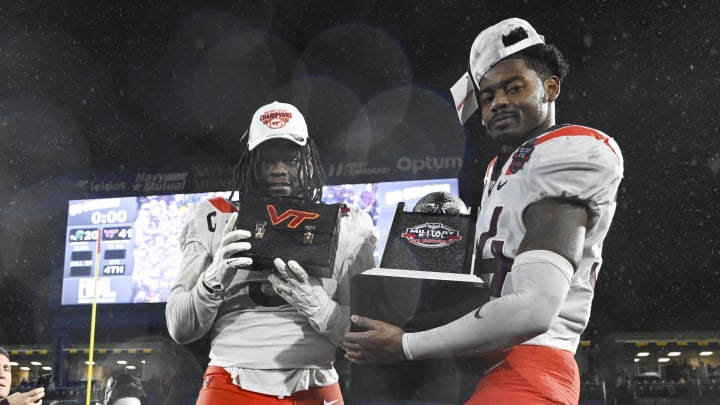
pixel 276 119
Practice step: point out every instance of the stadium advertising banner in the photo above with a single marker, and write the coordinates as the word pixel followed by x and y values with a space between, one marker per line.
pixel 214 176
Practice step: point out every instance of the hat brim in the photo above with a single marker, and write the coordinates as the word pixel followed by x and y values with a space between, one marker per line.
pixel 297 139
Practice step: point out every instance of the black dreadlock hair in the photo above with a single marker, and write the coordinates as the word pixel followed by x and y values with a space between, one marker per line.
pixel 311 181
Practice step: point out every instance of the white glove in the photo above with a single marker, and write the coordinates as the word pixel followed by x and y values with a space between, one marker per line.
pixel 306 294
pixel 221 272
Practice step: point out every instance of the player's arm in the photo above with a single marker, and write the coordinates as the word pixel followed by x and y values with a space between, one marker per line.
pixel 557 225
pixel 358 258
pixel 324 313
pixel 338 320
pixel 541 280
pixel 191 307
pixel 329 316
pixel 199 288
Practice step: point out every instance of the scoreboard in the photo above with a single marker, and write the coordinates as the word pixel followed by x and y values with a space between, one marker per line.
pixel 100 236
pixel 133 243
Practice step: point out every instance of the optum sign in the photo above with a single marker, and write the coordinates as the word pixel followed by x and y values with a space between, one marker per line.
pixel 428 163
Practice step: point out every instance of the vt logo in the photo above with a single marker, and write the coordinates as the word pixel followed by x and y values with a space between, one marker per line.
pixel 297 217
pixel 110 233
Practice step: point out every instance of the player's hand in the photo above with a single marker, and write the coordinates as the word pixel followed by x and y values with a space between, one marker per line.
pixel 221 272
pixel 27 398
pixel 380 343
pixel 305 293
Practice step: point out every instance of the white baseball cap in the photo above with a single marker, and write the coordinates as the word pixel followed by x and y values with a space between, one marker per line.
pixel 277 121
pixel 490 46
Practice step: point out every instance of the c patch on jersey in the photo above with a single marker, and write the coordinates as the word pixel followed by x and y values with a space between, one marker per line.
pixel 432 235
pixel 520 157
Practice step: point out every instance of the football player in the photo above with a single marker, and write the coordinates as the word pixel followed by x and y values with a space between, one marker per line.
pixel 547 204
pixel 273 337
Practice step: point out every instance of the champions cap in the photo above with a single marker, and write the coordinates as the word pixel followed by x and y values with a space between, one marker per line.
pixel 277 121
pixel 494 44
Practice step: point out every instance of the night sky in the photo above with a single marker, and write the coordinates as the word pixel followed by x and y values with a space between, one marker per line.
pixel 89 88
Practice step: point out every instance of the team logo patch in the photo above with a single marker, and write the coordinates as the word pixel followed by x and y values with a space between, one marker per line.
pixel 432 235
pixel 275 119
pixel 521 157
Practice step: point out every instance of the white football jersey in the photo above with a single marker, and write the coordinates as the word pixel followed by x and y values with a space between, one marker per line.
pixel 252 328
pixel 569 162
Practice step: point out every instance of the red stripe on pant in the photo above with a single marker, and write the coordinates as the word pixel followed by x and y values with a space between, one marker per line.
pixel 218 389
